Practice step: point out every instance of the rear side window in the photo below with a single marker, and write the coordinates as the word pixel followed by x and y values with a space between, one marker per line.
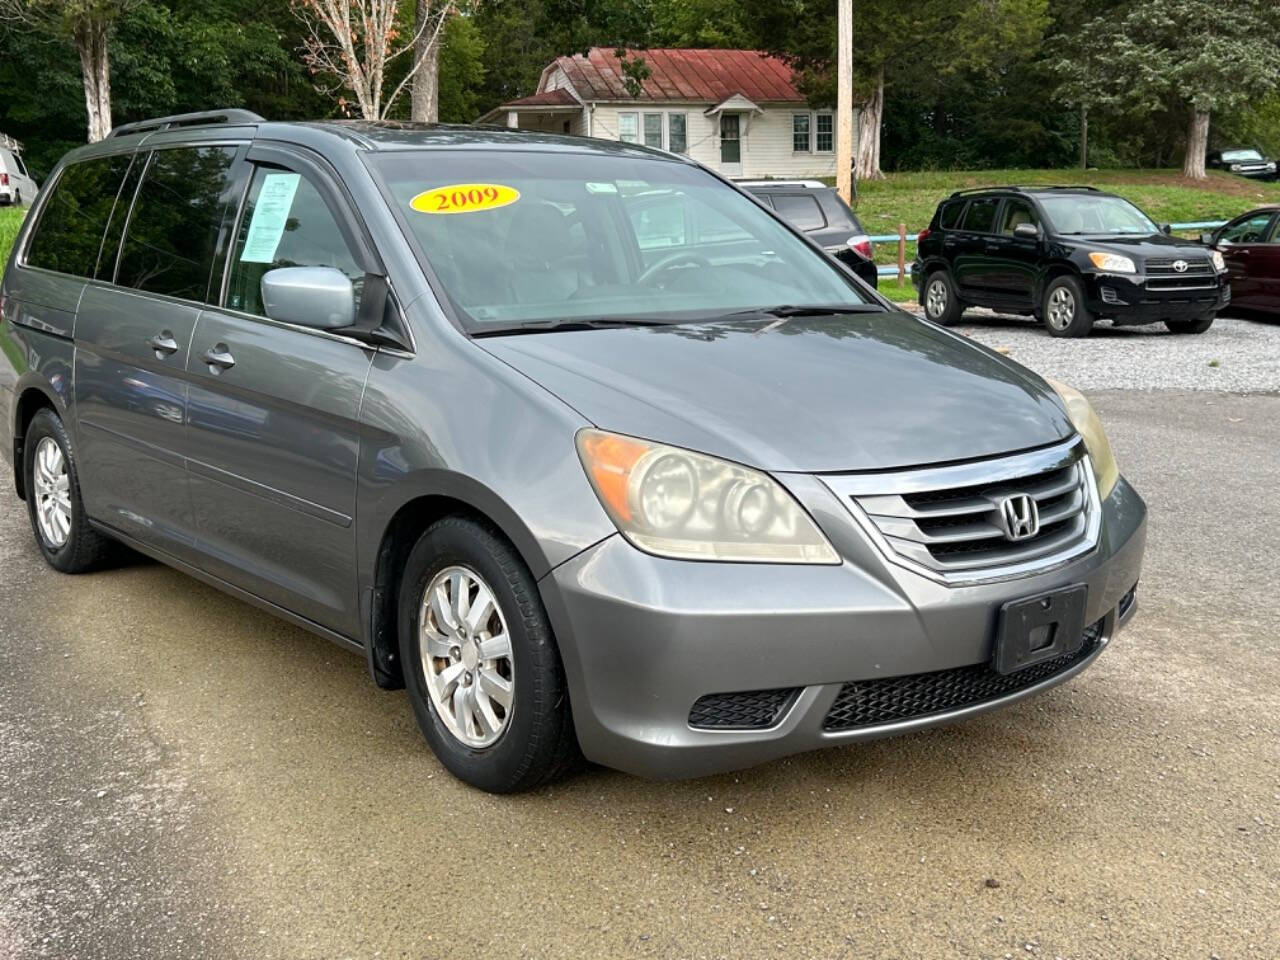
pixel 70 230
pixel 169 243
pixel 802 211
pixel 950 216
pixel 981 215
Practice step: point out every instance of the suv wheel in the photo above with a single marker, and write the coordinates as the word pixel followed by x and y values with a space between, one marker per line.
pixel 481 665
pixel 1198 325
pixel 57 513
pixel 1065 313
pixel 939 299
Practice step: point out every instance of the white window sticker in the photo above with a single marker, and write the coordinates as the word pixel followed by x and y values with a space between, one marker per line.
pixel 270 214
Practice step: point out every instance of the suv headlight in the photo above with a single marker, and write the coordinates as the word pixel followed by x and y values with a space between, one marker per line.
pixel 1112 262
pixel 1219 262
pixel 686 505
pixel 1087 424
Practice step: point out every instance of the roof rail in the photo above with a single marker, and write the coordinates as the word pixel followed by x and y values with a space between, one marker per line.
pixel 9 143
pixel 187 120
pixel 1024 188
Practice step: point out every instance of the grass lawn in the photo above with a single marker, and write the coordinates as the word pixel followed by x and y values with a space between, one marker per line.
pixel 10 221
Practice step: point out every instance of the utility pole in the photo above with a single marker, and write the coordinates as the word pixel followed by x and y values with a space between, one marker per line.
pixel 844 100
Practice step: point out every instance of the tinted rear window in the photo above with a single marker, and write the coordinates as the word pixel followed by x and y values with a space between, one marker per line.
pixel 803 211
pixel 168 246
pixel 981 215
pixel 950 215
pixel 70 230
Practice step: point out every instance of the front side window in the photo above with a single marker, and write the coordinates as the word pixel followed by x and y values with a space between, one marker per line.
pixel 824 144
pixel 1249 230
pixel 629 127
pixel 800 132
pixel 677 136
pixel 653 130
pixel 981 215
pixel 802 211
pixel 1100 215
pixel 69 234
pixel 169 242
pixel 559 236
pixel 286 223
pixel 1016 213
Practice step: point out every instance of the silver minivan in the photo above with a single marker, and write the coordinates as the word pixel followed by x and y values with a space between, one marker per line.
pixel 583 447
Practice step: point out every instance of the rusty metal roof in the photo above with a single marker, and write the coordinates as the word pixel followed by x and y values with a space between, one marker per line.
pixel 549 98
pixel 703 75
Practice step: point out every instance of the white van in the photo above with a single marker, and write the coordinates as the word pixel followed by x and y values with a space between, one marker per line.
pixel 16 185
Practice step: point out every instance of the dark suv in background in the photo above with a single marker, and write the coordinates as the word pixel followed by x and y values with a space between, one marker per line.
pixel 1066 255
pixel 1243 162
pixel 817 209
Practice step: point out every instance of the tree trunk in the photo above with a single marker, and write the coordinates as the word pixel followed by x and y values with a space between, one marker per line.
pixel 425 104
pixel 1197 143
pixel 95 70
pixel 867 164
pixel 1084 137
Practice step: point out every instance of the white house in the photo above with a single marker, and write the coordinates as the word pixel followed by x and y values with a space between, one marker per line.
pixel 738 111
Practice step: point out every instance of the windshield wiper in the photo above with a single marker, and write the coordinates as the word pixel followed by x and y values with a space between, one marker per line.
pixel 788 310
pixel 549 326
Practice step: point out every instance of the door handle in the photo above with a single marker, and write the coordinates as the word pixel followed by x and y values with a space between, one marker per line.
pixel 219 358
pixel 163 344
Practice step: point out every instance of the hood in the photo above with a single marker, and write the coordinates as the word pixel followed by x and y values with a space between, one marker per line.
pixel 1153 245
pixel 811 395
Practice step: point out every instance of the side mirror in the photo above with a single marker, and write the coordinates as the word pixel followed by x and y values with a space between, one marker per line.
pixel 1027 231
pixel 1207 238
pixel 318 297
pixel 1166 229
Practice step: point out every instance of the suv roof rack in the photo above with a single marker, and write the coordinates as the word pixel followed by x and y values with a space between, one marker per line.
pixel 1029 188
pixel 198 118
pixel 807 184
pixel 9 143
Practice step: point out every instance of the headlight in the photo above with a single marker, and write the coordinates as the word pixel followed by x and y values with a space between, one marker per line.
pixel 1089 427
pixel 1219 262
pixel 689 506
pixel 1235 168
pixel 1112 262
pixel 1271 167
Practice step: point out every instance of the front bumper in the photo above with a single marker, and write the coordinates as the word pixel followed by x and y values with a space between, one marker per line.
pixel 1131 299
pixel 644 638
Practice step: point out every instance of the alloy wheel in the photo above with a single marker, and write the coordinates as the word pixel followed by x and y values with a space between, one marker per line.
pixel 466 656
pixel 936 299
pixel 1062 308
pixel 52 492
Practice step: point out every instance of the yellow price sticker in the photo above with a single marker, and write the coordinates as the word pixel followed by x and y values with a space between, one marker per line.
pixel 464 198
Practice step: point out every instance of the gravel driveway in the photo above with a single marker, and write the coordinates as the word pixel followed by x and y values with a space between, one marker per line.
pixel 1240 356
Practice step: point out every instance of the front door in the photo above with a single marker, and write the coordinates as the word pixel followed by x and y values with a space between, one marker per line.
pixel 1243 245
pixel 730 144
pixel 1268 267
pixel 273 412
pixel 1011 269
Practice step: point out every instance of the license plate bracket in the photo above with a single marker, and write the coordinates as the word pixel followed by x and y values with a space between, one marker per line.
pixel 1040 628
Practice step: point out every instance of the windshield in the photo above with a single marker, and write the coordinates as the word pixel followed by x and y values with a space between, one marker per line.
pixel 527 236
pixel 1235 156
pixel 1081 213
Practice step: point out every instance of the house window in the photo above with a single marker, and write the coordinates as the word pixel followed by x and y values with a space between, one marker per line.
pixel 653 130
pixel 823 122
pixel 800 132
pixel 629 127
pixel 677 141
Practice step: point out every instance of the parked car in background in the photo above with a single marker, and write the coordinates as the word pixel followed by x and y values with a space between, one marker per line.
pixel 688 506
pixel 17 188
pixel 817 209
pixel 1243 161
pixel 1068 256
pixel 1250 244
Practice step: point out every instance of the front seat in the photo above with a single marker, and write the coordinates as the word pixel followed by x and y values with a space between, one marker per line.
pixel 538 257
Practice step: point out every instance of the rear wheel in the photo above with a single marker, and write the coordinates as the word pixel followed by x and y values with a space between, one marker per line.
pixel 57 513
pixel 481 666
pixel 1064 310
pixel 1198 325
pixel 939 299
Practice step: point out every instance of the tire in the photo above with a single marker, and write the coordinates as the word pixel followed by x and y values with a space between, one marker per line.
pixel 1064 311
pixel 534 741
pixel 938 297
pixel 1198 325
pixel 52 483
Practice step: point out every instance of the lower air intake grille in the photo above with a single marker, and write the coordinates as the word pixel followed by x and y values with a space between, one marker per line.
pixel 748 710
pixel 866 703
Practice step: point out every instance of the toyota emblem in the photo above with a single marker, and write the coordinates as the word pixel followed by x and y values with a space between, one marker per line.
pixel 1180 266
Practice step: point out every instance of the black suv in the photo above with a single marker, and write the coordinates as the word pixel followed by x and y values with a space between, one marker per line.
pixel 1242 161
pixel 817 209
pixel 1066 255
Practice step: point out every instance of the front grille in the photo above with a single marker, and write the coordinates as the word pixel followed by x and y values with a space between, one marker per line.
pixel 747 710
pixel 1196 267
pixel 957 529
pixel 867 703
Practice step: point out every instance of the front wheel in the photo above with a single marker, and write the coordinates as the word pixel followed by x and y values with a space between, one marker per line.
pixel 481 665
pixel 1198 325
pixel 1064 310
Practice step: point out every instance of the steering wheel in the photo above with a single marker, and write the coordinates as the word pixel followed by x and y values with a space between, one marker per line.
pixel 672 260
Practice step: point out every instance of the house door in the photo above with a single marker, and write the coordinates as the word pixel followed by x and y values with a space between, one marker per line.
pixel 730 144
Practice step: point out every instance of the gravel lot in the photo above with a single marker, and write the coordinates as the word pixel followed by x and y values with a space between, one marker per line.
pixel 183 776
pixel 1241 356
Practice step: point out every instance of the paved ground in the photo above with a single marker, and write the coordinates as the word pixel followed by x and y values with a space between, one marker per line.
pixel 184 776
